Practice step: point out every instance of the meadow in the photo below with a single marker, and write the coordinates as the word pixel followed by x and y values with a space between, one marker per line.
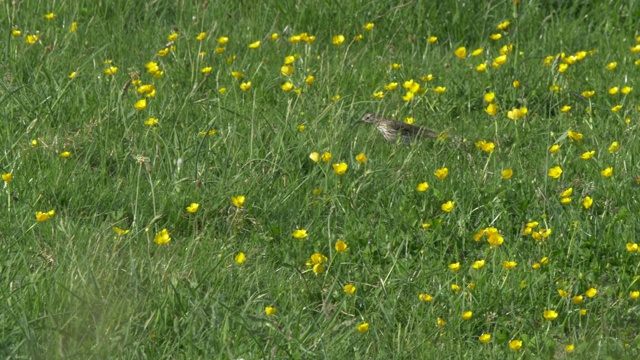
pixel 191 180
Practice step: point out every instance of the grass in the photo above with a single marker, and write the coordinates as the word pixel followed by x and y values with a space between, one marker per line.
pixel 72 287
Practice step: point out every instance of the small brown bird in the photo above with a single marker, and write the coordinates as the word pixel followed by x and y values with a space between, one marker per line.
pixel 391 127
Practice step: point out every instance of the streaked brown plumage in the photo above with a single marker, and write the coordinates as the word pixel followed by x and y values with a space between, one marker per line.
pixel 391 127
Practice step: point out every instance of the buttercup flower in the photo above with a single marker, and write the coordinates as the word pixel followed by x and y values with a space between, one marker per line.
pixel 341 246
pixel 119 231
pixel 240 258
pixel 7 177
pixel 363 328
pixel 300 234
pixel 555 172
pixel 162 237
pixel 454 266
pixel 361 158
pixel 507 174
pixel 425 297
pixel 441 173
pixel 340 168
pixel 550 315
pixel 422 187
pixel 448 206
pixel 607 173
pixel 461 52
pixel 238 201
pixel 349 289
pixel 270 310
pixel 254 45
pixel 485 338
pixel 515 345
pixel 193 207
pixel 44 216
pixel 467 315
pixel 338 40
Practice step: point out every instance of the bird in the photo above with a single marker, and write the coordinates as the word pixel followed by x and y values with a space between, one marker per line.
pixel 390 128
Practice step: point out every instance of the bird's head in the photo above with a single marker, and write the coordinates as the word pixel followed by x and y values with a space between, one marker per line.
pixel 370 118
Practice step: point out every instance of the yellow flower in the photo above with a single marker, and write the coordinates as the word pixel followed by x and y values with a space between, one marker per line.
pixel 65 154
pixel 119 231
pixel 569 348
pixel 495 37
pixel 550 315
pixel 467 315
pixel 363 328
pixel 455 287
pixel 408 96
pixel 565 200
pixel 591 292
pixel 240 258
pixel 562 293
pixel 562 68
pixel 481 67
pixel 111 70
pixel 611 65
pixel 614 147
pixel 7 177
pixel 567 192
pixel 301 127
pixel 391 86
pixel 626 90
pixel 448 206
pixel 222 90
pixel 50 16
pixel 396 66
pixel 425 297
pixel 270 310
pixel 72 75
pixel 309 80
pixel 73 27
pixel 461 52
pixel 427 78
pixel 193 207
pixel 607 173
pixel 455 266
pixel 515 113
pixel 515 345
pixel 40 216
pixel 491 109
pixel 338 40
pixel 555 172
pixel 477 52
pixel 287 86
pixel 616 108
pixel 300 234
pixel 432 39
pixel 489 97
pixel 495 239
pixel 423 186
pixel 501 60
pixel 162 237
pixel 361 158
pixel 439 90
pixel 507 174
pixel 554 88
pixel 341 246
pixel 32 39
pixel 238 201
pixel 485 338
pixel 614 90
pixel 440 322
pixel 574 135
pixel 314 156
pixel 588 93
pixel 378 95
pixel 632 247
pixel 577 299
pixel 635 49
pixel 33 143
pixel 163 52
pixel 340 168
pixel 245 86
pixel 478 264
pixel 349 289
pixel 441 173
pixel 504 25
pixel 286 70
pixel 201 36
pixel 588 155
pixel 151 121
pixel 634 295
pixel 509 265
pixel 565 109
pixel 368 26
pixel 16 32
pixel 206 70
pixel 140 104
pixel 254 45
pixel 554 148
